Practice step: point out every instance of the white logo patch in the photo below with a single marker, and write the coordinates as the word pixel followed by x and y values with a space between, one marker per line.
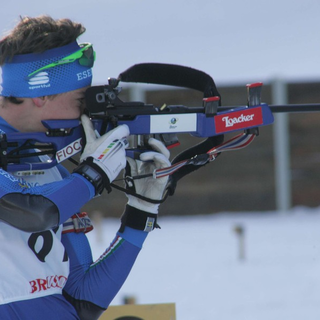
pixel 39 78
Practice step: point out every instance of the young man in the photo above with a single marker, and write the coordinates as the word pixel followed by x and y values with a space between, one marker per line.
pixel 47 270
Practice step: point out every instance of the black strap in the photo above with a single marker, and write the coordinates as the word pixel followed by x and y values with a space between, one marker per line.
pixel 194 152
pixel 172 75
pixel 138 219
pixel 94 174
pixel 198 149
pixel 139 196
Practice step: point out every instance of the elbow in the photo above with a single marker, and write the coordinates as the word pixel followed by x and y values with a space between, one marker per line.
pixel 30 213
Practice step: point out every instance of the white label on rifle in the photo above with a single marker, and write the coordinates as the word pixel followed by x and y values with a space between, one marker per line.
pixel 69 151
pixel 168 123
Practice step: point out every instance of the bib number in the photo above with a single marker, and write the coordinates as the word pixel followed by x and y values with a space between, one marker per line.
pixel 46 238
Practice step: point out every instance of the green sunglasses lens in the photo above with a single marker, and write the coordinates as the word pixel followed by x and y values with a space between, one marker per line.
pixel 87 58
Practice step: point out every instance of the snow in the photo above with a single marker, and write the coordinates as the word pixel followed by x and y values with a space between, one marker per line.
pixel 194 262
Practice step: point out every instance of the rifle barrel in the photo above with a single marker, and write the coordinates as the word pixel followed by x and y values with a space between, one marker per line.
pixel 305 107
pixel 282 108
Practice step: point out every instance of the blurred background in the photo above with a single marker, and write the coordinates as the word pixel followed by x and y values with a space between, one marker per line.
pixel 236 42
pixel 274 42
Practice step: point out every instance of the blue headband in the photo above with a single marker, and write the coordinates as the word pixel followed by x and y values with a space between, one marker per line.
pixel 59 79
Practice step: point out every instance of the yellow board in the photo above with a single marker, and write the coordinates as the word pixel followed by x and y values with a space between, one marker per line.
pixel 164 311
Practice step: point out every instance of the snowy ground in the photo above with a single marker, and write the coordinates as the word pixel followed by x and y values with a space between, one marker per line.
pixel 194 262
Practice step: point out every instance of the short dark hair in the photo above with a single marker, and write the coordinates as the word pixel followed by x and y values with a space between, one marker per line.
pixel 36 35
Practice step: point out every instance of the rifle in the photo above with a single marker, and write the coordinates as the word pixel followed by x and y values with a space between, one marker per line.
pixel 64 138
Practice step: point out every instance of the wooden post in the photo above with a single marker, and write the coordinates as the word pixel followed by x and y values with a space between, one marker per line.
pixel 129 300
pixel 240 232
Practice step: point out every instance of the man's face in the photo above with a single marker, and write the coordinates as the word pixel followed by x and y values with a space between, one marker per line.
pixel 68 105
pixel 28 116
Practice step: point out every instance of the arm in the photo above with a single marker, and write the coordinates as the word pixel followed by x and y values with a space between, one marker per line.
pixel 91 286
pixel 43 207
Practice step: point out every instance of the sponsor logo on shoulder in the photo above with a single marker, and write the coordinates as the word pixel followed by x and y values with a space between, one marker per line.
pixel 238 120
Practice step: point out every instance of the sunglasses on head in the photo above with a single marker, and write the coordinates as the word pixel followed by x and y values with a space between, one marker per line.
pixel 85 56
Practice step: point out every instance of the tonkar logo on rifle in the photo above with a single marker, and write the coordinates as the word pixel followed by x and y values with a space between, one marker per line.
pixel 239 120
pixel 242 118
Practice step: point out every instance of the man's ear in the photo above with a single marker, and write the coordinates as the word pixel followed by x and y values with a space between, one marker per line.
pixel 39 101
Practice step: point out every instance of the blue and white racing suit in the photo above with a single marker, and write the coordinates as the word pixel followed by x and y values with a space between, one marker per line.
pixel 45 274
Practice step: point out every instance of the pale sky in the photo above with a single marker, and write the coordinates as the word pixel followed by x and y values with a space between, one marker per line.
pixel 233 41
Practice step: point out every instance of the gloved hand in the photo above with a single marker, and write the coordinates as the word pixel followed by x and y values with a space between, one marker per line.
pixel 148 187
pixel 103 157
